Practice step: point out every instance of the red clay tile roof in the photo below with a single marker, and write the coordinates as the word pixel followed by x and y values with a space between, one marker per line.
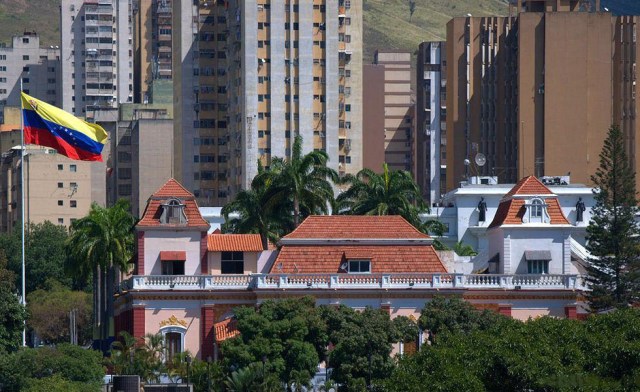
pixel 172 189
pixel 356 227
pixel 510 211
pixel 529 186
pixel 234 243
pixel 307 259
pixel 226 329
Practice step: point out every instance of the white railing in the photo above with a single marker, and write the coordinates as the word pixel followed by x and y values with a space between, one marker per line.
pixel 353 281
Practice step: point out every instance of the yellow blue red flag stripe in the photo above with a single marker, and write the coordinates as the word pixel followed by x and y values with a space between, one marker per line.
pixel 47 125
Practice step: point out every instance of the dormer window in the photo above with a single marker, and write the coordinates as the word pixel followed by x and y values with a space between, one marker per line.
pixel 536 208
pixel 359 267
pixel 536 212
pixel 173 213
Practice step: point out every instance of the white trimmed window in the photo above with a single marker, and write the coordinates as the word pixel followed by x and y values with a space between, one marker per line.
pixel 538 266
pixel 536 212
pixel 173 340
pixel 359 267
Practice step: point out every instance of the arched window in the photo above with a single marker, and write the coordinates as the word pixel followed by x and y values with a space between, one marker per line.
pixel 173 212
pixel 536 208
pixel 173 340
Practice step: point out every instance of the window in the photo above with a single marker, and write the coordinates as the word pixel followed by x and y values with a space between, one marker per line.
pixel 536 208
pixel 73 168
pixel 124 173
pixel 173 342
pixel 232 263
pixel 173 213
pixel 359 266
pixel 73 203
pixel 538 266
pixel 25 58
pixel 60 202
pixel 61 221
pixel 60 167
pixel 60 185
pixel 124 189
pixel 172 267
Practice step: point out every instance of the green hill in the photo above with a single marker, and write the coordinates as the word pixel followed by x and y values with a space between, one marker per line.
pixel 387 24
pixel 41 16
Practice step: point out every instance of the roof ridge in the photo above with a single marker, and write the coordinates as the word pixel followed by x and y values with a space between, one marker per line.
pixel 525 182
pixel 172 181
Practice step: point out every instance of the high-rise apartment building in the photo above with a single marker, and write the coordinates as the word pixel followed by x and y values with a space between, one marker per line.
pixel 37 67
pixel 152 47
pixel 96 53
pixel 399 106
pixel 535 93
pixel 251 75
pixel 431 120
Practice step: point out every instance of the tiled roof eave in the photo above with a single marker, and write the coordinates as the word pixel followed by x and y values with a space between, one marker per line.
pixel 356 241
pixel 164 226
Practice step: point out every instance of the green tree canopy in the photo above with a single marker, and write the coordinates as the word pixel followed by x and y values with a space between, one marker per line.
pixel 49 313
pixel 613 235
pixel 12 313
pixel 45 254
pixel 33 369
pixel 390 193
pixel 453 314
pixel 289 335
pixel 361 343
pixel 544 354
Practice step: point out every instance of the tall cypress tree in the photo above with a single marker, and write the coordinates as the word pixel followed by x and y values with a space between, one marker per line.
pixel 613 235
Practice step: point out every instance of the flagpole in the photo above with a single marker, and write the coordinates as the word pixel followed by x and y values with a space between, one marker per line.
pixel 22 154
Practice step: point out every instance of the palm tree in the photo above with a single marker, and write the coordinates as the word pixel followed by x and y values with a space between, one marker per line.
pixel 434 228
pixel 389 193
pixel 303 179
pixel 463 249
pixel 256 214
pixel 99 243
pixel 244 379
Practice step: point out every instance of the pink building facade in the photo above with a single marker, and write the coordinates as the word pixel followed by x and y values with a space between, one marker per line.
pixel 186 283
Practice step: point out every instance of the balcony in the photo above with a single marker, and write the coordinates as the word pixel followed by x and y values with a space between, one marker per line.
pixel 353 281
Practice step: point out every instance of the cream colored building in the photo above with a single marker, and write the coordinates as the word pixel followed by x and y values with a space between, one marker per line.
pixel 260 73
pixel 57 188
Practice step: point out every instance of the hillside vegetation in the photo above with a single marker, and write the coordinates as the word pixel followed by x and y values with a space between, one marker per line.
pixel 41 16
pixel 388 24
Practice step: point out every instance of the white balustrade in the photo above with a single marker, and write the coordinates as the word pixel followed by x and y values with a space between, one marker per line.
pixel 353 281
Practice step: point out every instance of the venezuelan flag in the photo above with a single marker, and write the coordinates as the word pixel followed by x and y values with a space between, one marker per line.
pixel 47 125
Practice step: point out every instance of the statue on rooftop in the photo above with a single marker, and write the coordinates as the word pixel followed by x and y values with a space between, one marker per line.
pixel 580 208
pixel 482 209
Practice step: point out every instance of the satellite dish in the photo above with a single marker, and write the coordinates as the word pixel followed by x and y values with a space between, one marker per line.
pixel 480 159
